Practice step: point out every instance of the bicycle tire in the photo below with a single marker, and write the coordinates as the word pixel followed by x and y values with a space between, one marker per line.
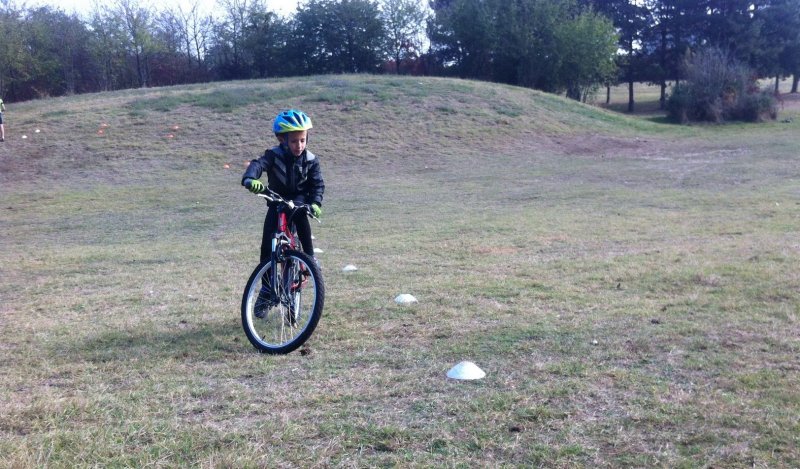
pixel 287 324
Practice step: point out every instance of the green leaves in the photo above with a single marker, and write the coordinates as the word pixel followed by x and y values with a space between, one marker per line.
pixel 550 45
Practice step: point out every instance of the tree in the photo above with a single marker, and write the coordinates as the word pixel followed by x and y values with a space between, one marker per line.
pixel 734 27
pixel 552 45
pixel 16 62
pixel 107 46
pixel 632 20
pixel 790 60
pixel 780 49
pixel 194 29
pixel 174 60
pixel 40 39
pixel 138 39
pixel 228 49
pixel 45 52
pixel 404 21
pixel 674 31
pixel 588 45
pixel 355 35
pixel 463 35
pixel 60 56
pixel 263 33
pixel 337 36
pixel 309 53
pixel 526 49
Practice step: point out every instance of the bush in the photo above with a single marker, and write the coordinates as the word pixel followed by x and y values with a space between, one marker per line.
pixel 679 102
pixel 757 107
pixel 718 88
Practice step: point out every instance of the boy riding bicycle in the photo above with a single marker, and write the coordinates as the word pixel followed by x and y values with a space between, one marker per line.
pixel 293 172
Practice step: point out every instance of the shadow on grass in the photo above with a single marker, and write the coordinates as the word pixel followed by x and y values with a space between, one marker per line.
pixel 649 112
pixel 208 342
pixel 664 120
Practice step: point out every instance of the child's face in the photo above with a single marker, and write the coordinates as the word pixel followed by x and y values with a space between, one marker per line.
pixel 296 141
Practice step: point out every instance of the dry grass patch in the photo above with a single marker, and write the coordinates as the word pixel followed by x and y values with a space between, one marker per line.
pixel 628 287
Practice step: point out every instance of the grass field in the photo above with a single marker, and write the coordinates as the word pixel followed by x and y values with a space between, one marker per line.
pixel 630 287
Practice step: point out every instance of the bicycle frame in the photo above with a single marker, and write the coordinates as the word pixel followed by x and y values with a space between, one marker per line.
pixel 284 237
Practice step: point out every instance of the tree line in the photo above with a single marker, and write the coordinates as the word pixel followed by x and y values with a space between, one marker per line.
pixel 563 46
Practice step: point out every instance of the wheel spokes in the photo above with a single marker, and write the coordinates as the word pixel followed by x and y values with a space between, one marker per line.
pixel 288 315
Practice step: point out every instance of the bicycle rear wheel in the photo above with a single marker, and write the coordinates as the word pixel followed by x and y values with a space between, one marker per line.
pixel 280 322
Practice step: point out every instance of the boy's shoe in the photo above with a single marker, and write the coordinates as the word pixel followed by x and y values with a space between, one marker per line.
pixel 266 300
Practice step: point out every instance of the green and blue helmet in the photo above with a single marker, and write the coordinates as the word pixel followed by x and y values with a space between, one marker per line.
pixel 291 121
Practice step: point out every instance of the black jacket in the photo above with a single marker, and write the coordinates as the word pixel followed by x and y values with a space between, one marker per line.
pixel 293 178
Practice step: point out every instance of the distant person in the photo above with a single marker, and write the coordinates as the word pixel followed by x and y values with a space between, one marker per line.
pixel 292 172
pixel 2 127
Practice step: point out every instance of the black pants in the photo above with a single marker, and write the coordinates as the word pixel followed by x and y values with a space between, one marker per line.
pixel 271 223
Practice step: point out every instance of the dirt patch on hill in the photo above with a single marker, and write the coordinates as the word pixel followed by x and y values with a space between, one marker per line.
pixel 599 145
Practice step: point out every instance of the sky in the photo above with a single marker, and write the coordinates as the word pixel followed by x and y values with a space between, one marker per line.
pixel 84 7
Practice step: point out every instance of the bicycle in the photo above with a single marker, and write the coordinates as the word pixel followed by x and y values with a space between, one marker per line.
pixel 282 306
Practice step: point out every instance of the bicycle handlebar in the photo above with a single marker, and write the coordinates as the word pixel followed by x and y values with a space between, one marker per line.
pixel 274 197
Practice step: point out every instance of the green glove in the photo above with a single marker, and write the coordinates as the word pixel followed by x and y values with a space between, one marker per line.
pixel 316 210
pixel 255 186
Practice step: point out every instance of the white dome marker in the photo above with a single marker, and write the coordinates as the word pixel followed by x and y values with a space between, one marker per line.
pixel 466 370
pixel 405 299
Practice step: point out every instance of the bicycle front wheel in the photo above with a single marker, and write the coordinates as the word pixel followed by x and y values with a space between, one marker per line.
pixel 278 319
